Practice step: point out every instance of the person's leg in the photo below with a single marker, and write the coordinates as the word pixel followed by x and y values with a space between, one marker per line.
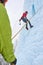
pixel 27 25
pixel 30 23
pixel 25 21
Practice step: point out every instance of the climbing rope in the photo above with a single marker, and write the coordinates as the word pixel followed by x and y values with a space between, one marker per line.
pixel 24 24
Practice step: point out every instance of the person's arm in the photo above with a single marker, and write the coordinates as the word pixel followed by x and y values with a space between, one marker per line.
pixel 20 19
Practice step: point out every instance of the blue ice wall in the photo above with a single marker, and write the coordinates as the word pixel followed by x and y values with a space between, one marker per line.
pixel 29 49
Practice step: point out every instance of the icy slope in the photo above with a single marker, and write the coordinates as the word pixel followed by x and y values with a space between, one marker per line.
pixel 29 50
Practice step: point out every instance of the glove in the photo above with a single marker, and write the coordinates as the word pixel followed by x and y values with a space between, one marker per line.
pixel 14 62
pixel 19 23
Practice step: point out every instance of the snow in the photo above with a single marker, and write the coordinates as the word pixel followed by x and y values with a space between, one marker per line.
pixel 29 44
